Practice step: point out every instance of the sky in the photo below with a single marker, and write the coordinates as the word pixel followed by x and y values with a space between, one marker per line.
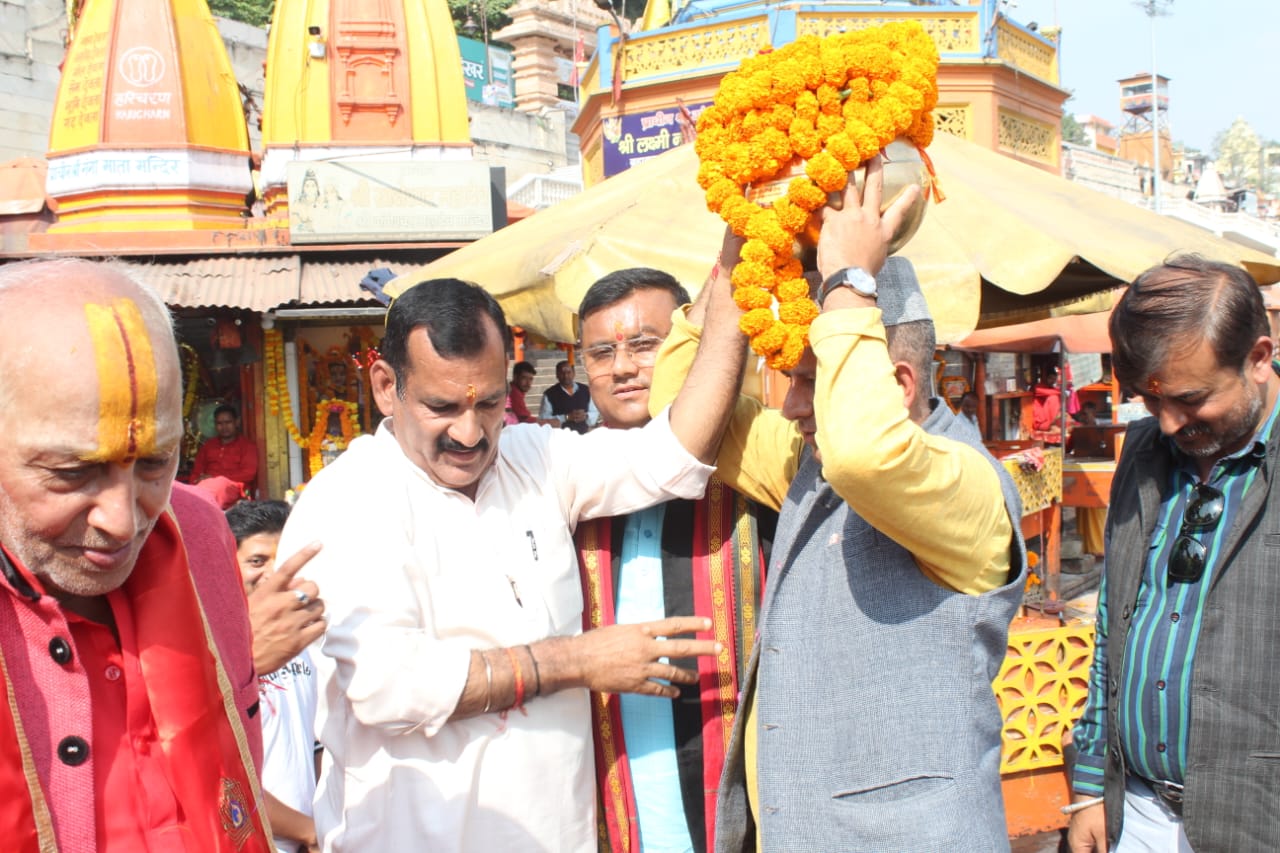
pixel 1222 58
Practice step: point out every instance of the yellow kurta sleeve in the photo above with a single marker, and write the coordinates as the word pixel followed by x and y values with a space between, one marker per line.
pixel 761 449
pixel 938 498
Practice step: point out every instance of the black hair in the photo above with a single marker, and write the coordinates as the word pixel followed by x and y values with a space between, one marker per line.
pixel 452 311
pixel 1177 304
pixel 522 367
pixel 618 285
pixel 226 408
pixel 249 518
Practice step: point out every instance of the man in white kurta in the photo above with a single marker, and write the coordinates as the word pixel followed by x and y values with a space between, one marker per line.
pixel 436 592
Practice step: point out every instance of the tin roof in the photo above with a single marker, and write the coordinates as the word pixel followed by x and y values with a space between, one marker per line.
pixel 253 282
pixel 263 282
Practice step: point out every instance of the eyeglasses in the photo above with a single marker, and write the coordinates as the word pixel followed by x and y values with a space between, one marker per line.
pixel 1187 562
pixel 643 350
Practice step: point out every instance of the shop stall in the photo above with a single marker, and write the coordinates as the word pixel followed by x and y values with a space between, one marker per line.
pixel 1019 374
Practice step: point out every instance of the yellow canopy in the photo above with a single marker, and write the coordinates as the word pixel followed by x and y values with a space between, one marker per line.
pixel 1011 243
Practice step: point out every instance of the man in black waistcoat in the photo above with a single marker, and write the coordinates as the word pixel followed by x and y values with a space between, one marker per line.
pixel 569 402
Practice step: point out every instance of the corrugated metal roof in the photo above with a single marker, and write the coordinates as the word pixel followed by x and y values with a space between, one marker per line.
pixel 339 281
pixel 253 282
pixel 263 282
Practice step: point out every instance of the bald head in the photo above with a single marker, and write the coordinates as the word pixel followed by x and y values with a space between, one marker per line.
pixel 90 407
pixel 50 296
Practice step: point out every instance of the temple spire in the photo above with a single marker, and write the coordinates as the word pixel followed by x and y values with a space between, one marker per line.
pixel 360 80
pixel 148 129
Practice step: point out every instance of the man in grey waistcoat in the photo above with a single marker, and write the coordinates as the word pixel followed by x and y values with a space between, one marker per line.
pixel 1179 744
pixel 868 720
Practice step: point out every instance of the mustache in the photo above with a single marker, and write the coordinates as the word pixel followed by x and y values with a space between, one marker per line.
pixel 445 444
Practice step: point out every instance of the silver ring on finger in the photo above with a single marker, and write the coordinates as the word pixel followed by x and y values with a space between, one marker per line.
pixel 302 597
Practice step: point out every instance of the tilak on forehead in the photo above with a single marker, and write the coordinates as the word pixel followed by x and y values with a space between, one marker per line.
pixel 127 387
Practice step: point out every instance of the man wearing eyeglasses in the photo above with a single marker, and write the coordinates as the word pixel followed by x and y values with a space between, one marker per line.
pixel 1179 744
pixel 659 759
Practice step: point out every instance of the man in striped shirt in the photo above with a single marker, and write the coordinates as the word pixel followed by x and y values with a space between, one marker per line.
pixel 1179 744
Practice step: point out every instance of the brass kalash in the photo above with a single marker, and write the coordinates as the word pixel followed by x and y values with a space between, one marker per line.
pixel 903 167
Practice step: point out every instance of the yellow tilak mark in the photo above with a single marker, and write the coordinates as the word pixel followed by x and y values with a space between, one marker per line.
pixel 127 386
pixel 471 393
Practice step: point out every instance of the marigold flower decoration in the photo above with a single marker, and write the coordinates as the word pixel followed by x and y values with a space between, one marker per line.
pixel 832 102
pixel 278 401
pixel 190 378
pixel 320 440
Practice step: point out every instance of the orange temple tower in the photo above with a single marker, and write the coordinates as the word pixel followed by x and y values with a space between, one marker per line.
pixel 148 130
pixel 360 80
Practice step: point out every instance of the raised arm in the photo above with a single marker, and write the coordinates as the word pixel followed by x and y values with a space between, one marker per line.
pixel 702 407
pixel 938 498
pixel 760 449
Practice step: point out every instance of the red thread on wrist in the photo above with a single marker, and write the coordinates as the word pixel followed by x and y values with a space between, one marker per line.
pixel 519 678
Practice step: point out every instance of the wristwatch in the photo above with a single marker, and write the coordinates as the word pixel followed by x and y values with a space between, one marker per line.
pixel 857 278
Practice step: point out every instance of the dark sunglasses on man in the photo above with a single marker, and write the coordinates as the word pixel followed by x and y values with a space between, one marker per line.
pixel 1189 556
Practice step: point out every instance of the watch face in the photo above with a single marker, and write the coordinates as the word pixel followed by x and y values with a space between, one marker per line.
pixel 854 278
pixel 861 281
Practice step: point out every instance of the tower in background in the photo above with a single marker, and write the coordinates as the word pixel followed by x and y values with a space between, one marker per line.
pixel 1146 117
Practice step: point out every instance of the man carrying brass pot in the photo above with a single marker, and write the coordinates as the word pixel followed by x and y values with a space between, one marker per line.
pixel 869 722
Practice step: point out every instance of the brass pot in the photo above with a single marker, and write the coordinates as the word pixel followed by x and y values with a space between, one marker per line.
pixel 903 166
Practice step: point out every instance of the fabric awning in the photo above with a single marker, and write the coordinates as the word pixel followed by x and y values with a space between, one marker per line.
pixel 1081 333
pixel 1011 242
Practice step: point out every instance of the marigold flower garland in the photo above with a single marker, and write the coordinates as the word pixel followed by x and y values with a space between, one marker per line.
pixel 834 103
pixel 277 384
pixel 320 440
pixel 278 403
pixel 191 378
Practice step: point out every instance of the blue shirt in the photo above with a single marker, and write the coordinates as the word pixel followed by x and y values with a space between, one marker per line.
pixel 648 724
pixel 1154 699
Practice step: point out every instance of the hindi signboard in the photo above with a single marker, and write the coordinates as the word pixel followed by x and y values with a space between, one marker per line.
pixel 345 201
pixel 631 139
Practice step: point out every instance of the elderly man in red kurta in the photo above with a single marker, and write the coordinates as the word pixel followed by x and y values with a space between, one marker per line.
pixel 125 652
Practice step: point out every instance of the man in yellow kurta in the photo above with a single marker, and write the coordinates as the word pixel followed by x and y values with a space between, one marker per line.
pixel 872 724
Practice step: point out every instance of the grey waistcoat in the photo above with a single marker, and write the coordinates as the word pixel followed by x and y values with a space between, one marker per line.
pixel 1233 752
pixel 877 726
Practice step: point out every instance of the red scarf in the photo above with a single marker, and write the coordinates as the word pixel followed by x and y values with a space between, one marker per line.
pixel 192 704
pixel 728 578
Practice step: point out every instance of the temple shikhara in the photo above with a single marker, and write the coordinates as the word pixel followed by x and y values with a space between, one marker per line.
pixel 148 131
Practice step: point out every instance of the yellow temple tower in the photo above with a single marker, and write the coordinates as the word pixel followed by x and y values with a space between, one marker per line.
pixel 148 130
pixel 360 80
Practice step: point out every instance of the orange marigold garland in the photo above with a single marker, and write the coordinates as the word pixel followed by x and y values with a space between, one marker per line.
pixel 833 102
pixel 190 378
pixel 321 441
pixel 278 402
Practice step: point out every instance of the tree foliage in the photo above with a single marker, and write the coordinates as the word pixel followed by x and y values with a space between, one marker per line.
pixel 254 12
pixel 479 12
pixel 1072 131
pixel 1238 151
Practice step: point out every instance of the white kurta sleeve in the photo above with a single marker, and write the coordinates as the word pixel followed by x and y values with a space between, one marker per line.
pixel 380 648
pixel 618 471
